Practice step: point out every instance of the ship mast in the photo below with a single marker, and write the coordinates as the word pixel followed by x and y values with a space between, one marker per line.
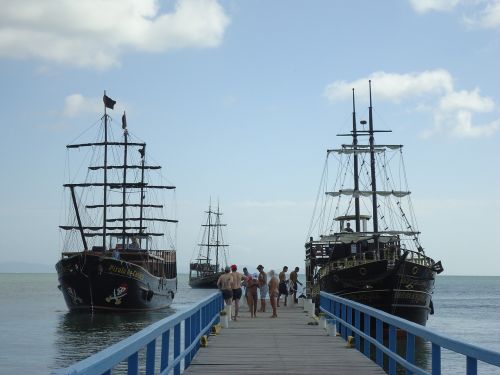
pixel 356 172
pixel 372 164
pixel 105 176
pixel 125 148
pixel 217 221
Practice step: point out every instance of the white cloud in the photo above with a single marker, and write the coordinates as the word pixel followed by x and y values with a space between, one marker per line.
pixel 76 104
pixel 430 91
pixel 424 6
pixel 392 86
pixel 478 13
pixel 95 33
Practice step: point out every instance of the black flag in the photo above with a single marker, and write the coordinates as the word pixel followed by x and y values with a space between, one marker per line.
pixel 108 102
pixel 124 121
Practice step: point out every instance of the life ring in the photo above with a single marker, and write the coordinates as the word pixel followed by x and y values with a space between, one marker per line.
pixel 414 270
pixel 362 271
pixel 336 278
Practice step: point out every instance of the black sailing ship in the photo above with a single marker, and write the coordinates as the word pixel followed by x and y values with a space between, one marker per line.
pixel 385 267
pixel 211 259
pixel 118 253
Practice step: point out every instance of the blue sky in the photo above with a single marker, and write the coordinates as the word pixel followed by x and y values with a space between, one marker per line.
pixel 239 100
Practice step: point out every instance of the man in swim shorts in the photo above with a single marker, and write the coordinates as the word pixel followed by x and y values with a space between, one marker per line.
pixel 282 289
pixel 225 286
pixel 236 278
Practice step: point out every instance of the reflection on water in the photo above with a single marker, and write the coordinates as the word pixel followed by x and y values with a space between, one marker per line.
pixel 81 334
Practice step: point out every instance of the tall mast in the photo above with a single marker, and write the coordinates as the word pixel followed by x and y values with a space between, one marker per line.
pixel 372 164
pixel 142 151
pixel 356 172
pixel 105 176
pixel 209 230
pixel 125 136
pixel 217 222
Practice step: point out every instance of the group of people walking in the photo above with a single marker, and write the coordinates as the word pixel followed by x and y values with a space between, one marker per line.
pixel 234 285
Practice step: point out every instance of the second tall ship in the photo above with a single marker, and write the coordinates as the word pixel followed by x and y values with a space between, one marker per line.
pixel 384 266
pixel 211 259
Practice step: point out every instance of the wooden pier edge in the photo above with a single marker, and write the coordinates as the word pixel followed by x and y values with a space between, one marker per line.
pixel 283 345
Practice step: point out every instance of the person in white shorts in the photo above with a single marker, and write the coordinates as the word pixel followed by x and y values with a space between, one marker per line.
pixel 263 288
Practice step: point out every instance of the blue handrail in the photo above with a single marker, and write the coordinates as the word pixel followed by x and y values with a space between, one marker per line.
pixel 342 311
pixel 197 321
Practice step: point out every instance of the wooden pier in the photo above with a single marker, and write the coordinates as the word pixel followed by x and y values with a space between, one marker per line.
pixel 285 345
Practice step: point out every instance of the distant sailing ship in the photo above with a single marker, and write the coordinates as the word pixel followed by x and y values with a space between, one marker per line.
pixel 385 267
pixel 211 259
pixel 130 265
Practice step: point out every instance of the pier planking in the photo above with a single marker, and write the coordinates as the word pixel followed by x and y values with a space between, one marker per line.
pixel 286 345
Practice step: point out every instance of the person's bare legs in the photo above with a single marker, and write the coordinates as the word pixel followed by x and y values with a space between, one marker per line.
pixel 236 308
pixel 272 299
pixel 263 305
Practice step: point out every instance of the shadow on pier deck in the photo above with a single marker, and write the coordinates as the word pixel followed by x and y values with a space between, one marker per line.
pixel 286 345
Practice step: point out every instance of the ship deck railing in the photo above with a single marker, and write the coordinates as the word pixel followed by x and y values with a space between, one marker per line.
pixel 373 256
pixel 354 322
pixel 184 328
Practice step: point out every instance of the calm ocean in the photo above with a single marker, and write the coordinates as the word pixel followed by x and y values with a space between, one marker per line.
pixel 39 335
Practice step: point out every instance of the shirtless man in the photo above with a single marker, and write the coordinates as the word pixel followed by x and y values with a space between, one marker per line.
pixel 225 285
pixel 236 278
pixel 263 288
pixel 294 281
pixel 282 289
pixel 273 292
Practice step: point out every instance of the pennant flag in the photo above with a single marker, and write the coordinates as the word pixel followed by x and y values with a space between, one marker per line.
pixel 142 151
pixel 124 121
pixel 108 102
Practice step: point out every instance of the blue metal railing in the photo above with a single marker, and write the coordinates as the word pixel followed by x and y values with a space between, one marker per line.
pixel 343 310
pixel 197 321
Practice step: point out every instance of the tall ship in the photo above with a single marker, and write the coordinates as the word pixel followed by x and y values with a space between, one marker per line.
pixel 211 258
pixel 118 249
pixel 367 246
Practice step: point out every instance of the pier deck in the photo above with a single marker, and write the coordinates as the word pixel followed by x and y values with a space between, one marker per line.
pixel 286 345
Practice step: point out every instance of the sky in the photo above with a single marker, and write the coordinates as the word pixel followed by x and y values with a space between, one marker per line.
pixel 239 101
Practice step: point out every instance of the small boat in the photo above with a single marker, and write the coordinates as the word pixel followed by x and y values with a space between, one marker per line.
pixel 384 266
pixel 118 254
pixel 211 259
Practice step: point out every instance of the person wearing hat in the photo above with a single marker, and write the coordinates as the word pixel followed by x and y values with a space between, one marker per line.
pixel 263 288
pixel 236 278
pixel 225 285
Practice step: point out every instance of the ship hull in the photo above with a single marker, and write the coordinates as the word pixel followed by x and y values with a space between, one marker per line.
pixel 205 282
pixel 93 282
pixel 404 291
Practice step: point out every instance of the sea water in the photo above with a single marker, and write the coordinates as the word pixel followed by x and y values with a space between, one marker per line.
pixel 38 334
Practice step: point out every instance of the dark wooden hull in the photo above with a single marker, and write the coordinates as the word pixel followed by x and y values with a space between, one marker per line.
pixel 205 282
pixel 404 290
pixel 95 282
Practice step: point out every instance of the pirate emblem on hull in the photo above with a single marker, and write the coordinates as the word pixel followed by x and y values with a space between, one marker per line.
pixel 118 294
pixel 74 297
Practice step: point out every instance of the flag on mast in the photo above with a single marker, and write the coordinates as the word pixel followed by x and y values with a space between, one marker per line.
pixel 108 102
pixel 124 121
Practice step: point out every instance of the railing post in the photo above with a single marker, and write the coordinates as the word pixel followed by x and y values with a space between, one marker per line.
pixel 150 358
pixel 436 359
pixel 471 366
pixel 410 350
pixel 133 364
pixel 349 320
pixel 392 348
pixel 357 324
pixel 367 331
pixel 343 317
pixel 165 346
pixel 380 338
pixel 187 341
pixel 177 347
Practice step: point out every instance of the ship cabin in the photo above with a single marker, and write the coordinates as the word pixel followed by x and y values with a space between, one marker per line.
pixel 349 243
pixel 139 242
